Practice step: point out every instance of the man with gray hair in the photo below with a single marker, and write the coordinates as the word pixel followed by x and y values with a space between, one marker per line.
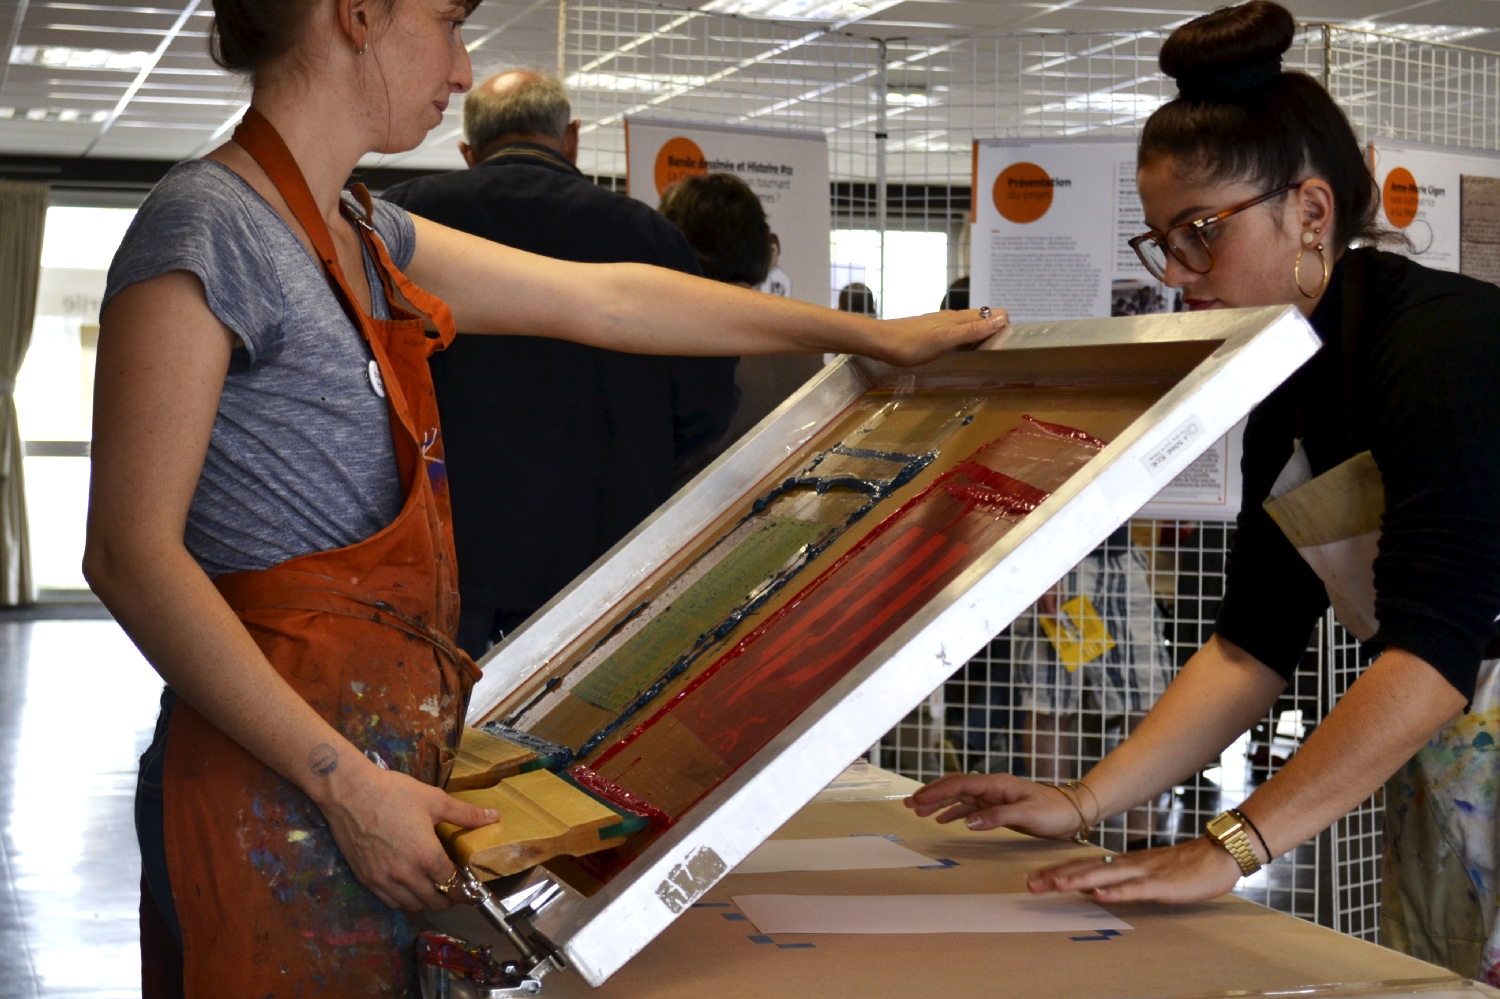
pixel 555 450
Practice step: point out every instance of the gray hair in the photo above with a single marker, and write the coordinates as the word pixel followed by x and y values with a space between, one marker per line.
pixel 537 105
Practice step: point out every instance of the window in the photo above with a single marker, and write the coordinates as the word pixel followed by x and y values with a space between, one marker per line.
pixel 916 261
pixel 55 389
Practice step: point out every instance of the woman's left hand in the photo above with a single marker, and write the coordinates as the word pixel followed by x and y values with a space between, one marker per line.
pixel 1191 872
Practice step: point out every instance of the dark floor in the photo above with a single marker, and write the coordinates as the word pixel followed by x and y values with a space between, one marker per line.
pixel 77 705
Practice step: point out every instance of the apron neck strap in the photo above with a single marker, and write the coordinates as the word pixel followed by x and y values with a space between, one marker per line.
pixel 395 279
pixel 259 138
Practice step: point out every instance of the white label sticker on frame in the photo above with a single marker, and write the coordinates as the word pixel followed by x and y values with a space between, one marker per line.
pixel 1161 456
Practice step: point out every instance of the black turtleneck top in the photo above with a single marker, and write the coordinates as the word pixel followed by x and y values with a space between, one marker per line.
pixel 1410 371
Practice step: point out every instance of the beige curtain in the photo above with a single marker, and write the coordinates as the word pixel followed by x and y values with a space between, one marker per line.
pixel 23 214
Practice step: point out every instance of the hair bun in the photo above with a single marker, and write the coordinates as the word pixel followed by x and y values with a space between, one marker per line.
pixel 1228 52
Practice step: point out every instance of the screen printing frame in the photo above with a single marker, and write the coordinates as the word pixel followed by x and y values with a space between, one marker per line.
pixel 1253 351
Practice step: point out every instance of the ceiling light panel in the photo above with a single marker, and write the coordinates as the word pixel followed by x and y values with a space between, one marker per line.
pixel 63 57
pixel 834 11
pixel 1448 33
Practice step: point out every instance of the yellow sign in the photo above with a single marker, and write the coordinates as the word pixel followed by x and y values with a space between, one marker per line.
pixel 1077 633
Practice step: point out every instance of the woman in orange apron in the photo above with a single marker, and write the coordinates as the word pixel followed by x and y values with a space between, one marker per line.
pixel 318 694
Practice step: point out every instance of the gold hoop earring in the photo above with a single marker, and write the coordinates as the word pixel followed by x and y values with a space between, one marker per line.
pixel 1297 272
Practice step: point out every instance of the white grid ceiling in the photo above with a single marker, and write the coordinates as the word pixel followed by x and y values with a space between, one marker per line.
pixel 114 79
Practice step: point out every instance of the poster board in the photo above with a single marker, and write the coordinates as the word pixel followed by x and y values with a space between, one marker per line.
pixel 1208 489
pixel 789 170
pixel 1051 223
pixel 1446 200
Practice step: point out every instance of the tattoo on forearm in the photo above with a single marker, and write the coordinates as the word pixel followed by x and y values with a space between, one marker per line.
pixel 323 759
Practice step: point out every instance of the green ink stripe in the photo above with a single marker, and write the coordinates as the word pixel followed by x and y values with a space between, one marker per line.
pixel 615 683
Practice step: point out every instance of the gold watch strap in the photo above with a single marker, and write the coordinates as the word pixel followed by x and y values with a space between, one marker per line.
pixel 1228 830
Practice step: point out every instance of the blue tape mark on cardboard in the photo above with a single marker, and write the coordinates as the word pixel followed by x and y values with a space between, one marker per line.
pixel 890 836
pixel 1102 935
pixel 735 917
pixel 942 864
pixel 761 938
pixel 710 905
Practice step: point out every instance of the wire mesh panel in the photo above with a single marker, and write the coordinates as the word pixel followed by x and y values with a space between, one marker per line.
pixel 626 59
pixel 1017 708
pixel 1401 88
pixel 1358 839
pixel 1052 694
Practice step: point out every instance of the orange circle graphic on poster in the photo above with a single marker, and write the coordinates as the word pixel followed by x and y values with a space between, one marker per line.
pixel 1399 197
pixel 1023 193
pixel 678 158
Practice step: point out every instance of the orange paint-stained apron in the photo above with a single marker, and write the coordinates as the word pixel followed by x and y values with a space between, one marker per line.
pixel 267 903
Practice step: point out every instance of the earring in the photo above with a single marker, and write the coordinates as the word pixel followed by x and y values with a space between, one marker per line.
pixel 1307 239
pixel 361 49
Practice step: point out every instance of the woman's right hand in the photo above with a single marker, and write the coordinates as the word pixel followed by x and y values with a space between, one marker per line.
pixel 996 801
pixel 383 822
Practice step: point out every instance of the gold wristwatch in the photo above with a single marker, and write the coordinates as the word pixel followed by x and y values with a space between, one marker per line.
pixel 1228 830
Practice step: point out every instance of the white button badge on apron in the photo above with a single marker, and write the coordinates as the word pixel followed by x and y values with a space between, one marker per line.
pixel 376 381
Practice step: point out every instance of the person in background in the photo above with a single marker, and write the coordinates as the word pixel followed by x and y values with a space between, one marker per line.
pixel 777 282
pixel 859 299
pixel 725 223
pixel 957 295
pixel 597 432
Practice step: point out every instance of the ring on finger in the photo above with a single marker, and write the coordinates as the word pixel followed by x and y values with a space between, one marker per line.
pixel 1108 858
pixel 984 312
pixel 450 884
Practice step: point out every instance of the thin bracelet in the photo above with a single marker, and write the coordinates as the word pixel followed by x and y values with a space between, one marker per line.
pixel 1263 846
pixel 1098 808
pixel 1081 835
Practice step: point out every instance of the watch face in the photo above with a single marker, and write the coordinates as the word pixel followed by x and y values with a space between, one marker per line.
pixel 1223 825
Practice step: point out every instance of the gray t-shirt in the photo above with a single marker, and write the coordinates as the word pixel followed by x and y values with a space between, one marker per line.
pixel 301 458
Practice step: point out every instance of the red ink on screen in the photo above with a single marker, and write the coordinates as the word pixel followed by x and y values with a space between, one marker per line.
pixel 754 690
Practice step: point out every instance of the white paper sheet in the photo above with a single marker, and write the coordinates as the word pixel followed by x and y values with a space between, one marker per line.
pixel 1011 913
pixel 860 774
pixel 842 853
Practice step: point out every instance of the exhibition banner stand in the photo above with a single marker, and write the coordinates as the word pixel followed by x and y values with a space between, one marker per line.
pixel 1446 201
pixel 1051 223
pixel 1052 220
pixel 789 170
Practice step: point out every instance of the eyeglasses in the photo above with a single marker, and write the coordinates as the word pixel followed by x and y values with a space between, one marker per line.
pixel 1185 241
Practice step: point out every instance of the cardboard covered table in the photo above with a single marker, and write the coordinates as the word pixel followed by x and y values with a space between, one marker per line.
pixel 1227 946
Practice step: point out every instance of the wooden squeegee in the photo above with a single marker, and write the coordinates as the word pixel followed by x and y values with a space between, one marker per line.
pixel 488 755
pixel 484 760
pixel 542 816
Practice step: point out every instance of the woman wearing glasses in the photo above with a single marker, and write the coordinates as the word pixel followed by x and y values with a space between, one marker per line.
pixel 1255 189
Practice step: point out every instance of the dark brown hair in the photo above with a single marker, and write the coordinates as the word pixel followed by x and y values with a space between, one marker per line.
pixel 1238 116
pixel 725 223
pixel 249 35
